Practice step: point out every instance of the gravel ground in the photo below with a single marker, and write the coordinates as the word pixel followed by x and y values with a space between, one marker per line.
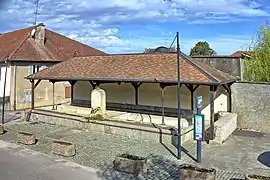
pixel 99 150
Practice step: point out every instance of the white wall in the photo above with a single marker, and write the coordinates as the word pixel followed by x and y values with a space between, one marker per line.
pixel 3 71
pixel 150 94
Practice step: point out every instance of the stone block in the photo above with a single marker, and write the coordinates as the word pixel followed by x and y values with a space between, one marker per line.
pixel 2 130
pixel 130 164
pixel 256 177
pixel 26 138
pixel 63 148
pixel 98 100
pixel 192 172
pixel 224 127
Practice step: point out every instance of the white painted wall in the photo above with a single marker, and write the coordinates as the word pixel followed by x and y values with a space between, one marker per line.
pixel 150 94
pixel 3 71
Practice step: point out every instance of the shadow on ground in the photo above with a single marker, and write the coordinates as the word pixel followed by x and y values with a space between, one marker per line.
pixel 264 158
pixel 158 168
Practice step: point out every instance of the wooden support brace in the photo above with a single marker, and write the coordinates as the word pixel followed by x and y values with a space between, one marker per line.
pixel 37 83
pixel 136 85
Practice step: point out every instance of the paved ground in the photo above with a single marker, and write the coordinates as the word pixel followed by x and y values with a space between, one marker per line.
pixel 17 163
pixel 238 154
pixel 10 116
pixel 244 151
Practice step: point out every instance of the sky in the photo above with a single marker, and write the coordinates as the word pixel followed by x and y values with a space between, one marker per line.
pixel 127 26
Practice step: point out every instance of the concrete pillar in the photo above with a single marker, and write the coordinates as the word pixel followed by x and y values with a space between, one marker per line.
pixel 98 100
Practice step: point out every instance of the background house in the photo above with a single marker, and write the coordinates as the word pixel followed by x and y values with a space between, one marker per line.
pixel 30 50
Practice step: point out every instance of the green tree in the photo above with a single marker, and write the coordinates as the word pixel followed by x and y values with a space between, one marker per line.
pixel 202 48
pixel 257 65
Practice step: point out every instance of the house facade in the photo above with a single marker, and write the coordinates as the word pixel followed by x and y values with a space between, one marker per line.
pixel 29 50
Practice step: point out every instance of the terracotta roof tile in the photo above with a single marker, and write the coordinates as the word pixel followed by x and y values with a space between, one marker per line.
pixel 239 53
pixel 139 67
pixel 19 45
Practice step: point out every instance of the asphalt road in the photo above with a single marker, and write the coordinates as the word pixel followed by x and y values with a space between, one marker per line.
pixel 17 163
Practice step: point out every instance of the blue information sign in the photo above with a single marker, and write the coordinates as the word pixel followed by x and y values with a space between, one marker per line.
pixel 199 127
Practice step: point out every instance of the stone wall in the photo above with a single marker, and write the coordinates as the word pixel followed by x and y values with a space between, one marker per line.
pixel 251 101
pixel 228 64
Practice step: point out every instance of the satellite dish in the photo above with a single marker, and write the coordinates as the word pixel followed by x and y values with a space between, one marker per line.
pixel 33 32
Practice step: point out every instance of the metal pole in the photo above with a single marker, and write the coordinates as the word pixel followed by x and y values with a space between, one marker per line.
pixel 179 99
pixel 4 95
pixel 199 143
pixel 15 87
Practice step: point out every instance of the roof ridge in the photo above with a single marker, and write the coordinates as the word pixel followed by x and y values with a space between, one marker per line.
pixel 202 70
pixel 20 45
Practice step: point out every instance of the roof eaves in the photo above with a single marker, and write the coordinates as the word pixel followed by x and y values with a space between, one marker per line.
pixel 30 77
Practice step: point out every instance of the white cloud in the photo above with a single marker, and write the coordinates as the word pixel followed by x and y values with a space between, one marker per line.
pixel 97 22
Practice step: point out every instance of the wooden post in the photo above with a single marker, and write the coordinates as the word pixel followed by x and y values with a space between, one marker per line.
pixel 212 110
pixel 32 93
pixel 136 86
pixel 162 103
pixel 53 95
pixel 192 89
pixel 72 83
pixel 230 98
pixel 228 89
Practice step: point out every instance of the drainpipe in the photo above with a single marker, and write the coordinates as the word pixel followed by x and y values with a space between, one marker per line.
pixel 4 94
pixel 15 87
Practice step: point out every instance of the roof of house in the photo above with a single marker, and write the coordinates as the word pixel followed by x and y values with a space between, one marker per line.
pixel 134 67
pixel 240 53
pixel 19 45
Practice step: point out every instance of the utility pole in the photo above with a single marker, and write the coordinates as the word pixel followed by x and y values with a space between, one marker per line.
pixel 4 94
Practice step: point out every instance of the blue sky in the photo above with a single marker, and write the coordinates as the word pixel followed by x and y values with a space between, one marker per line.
pixel 121 26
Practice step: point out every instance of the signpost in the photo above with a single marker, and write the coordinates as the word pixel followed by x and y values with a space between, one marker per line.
pixel 199 128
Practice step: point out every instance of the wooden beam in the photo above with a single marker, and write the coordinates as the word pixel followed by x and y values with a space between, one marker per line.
pixel 37 83
pixel 168 84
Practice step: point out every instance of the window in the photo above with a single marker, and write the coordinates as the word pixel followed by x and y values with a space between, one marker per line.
pixel 33 69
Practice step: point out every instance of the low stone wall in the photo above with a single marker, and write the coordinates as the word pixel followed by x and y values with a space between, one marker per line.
pixel 130 129
pixel 225 126
pixel 251 101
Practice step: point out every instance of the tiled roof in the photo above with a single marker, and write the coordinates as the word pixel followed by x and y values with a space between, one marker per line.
pixel 239 53
pixel 19 45
pixel 134 67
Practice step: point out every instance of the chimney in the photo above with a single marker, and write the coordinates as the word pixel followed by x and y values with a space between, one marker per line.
pixel 40 34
